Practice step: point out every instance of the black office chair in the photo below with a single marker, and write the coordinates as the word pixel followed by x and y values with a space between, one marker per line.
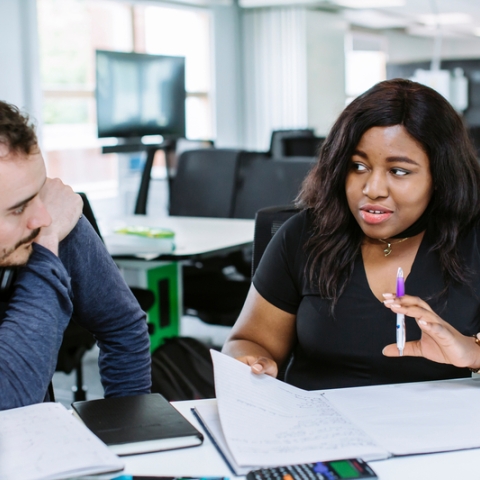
pixel 267 222
pixel 301 146
pixel 277 148
pixel 260 183
pixel 214 288
pixel 263 183
pixel 204 183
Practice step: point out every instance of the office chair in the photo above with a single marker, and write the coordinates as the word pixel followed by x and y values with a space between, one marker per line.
pixel 267 222
pixel 214 288
pixel 220 289
pixel 301 146
pixel 204 183
pixel 278 136
pixel 263 183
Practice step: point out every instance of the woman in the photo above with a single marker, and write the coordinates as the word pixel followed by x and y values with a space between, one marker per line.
pixel 396 185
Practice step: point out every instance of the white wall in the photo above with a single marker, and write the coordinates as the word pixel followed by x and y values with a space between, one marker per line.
pixel 325 69
pixel 19 56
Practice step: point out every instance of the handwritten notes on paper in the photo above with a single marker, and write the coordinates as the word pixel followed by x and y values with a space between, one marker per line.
pixel 44 441
pixel 267 422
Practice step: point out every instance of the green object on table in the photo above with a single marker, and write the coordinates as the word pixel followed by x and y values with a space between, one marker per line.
pixel 148 232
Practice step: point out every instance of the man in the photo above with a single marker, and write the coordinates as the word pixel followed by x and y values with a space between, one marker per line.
pixel 65 268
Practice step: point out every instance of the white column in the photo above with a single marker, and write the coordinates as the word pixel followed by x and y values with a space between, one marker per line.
pixel 274 43
pixel 228 86
pixel 19 56
pixel 325 69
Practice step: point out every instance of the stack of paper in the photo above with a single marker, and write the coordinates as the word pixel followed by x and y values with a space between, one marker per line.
pixel 264 422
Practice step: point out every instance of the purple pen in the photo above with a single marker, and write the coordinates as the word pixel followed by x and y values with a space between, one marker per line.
pixel 400 316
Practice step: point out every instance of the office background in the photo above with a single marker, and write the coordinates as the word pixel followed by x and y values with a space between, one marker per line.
pixel 253 66
pixel 257 65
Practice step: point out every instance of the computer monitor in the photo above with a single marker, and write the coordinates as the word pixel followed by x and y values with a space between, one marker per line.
pixel 139 94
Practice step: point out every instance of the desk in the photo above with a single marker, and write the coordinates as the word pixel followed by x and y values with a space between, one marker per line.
pixel 205 461
pixel 195 237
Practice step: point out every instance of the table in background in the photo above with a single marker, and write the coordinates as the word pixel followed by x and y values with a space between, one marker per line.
pixel 194 236
pixel 161 271
pixel 205 461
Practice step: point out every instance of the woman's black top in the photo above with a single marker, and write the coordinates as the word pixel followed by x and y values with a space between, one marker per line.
pixel 346 351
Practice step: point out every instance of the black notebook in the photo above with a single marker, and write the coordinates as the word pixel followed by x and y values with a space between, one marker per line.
pixel 137 424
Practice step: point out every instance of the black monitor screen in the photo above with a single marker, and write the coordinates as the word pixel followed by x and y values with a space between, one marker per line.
pixel 139 94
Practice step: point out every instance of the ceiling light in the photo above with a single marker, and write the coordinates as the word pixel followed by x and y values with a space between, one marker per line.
pixel 370 3
pixel 454 18
pixel 374 19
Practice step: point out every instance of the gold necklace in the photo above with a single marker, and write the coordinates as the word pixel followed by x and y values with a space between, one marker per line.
pixel 388 249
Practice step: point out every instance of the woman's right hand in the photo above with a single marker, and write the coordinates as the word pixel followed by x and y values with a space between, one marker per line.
pixel 260 364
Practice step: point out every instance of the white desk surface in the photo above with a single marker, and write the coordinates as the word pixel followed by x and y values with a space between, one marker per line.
pixel 194 236
pixel 205 461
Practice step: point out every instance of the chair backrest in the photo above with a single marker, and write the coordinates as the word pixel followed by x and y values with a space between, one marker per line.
pixel 301 146
pixel 276 140
pixel 204 183
pixel 88 213
pixel 264 183
pixel 267 222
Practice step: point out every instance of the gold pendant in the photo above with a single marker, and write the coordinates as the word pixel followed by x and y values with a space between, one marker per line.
pixel 387 250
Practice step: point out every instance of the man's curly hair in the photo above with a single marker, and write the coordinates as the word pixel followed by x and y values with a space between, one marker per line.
pixel 16 130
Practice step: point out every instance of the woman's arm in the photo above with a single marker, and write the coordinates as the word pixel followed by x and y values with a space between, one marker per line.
pixel 439 342
pixel 263 335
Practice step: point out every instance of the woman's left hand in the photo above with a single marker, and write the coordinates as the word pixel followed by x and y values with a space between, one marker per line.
pixel 439 342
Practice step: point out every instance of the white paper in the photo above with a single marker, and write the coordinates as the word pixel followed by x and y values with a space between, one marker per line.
pixel 44 441
pixel 267 422
pixel 415 417
pixel 210 419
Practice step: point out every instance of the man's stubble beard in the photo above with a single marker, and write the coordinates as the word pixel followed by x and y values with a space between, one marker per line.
pixel 4 262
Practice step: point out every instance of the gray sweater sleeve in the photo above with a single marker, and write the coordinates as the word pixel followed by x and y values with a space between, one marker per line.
pixel 105 305
pixel 32 329
pixel 83 281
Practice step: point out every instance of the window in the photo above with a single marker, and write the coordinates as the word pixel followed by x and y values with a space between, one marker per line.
pixel 70 31
pixel 366 61
pixel 175 31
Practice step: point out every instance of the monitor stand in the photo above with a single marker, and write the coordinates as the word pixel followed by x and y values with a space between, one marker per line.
pixel 167 146
pixel 131 145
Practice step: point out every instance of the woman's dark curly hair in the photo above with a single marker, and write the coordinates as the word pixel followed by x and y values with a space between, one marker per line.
pixel 16 130
pixel 455 204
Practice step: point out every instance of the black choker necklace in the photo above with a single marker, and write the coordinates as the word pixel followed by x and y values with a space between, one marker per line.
pixel 417 227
